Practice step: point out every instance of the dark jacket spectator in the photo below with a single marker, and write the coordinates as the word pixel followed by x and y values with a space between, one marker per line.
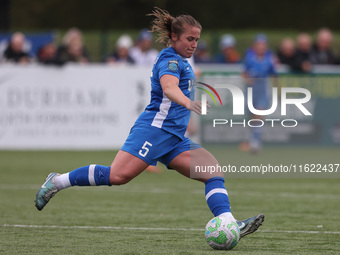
pixel 72 48
pixel 321 52
pixel 303 52
pixel 48 55
pixel 287 54
pixel 15 51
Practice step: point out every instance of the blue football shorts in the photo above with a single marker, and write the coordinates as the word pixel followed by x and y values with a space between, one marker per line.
pixel 152 144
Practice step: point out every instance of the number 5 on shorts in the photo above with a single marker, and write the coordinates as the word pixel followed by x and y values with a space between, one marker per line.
pixel 145 148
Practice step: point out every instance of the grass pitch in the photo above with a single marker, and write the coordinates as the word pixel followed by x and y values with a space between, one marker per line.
pixel 160 213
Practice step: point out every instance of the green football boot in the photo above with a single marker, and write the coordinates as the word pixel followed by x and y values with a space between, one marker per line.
pixel 250 225
pixel 46 192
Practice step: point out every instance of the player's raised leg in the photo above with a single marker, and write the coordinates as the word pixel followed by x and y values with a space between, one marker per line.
pixel 123 169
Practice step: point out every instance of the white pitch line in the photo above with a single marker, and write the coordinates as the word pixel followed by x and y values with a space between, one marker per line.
pixel 100 227
pixel 300 231
pixel 160 229
pixel 139 189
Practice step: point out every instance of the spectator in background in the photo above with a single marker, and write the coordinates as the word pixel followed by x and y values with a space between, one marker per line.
pixel 321 52
pixel 298 58
pixel 228 53
pixel 72 48
pixel 121 54
pixel 15 51
pixel 143 53
pixel 47 55
pixel 201 54
pixel 303 52
pixel 250 52
pixel 287 54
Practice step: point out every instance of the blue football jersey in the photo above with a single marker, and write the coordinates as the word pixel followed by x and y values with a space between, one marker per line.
pixel 161 111
pixel 259 69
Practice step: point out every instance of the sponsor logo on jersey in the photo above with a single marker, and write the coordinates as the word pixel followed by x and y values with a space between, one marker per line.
pixel 173 65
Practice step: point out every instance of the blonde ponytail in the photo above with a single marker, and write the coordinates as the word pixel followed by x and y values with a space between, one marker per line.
pixel 164 24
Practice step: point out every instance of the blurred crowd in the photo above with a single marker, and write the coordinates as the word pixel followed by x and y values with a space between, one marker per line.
pixel 73 49
pixel 299 54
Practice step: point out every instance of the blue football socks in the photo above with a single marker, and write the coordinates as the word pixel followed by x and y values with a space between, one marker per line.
pixel 92 175
pixel 217 196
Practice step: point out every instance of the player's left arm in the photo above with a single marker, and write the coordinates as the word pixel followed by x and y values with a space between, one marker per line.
pixel 172 91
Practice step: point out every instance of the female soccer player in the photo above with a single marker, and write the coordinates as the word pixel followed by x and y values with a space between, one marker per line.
pixel 158 133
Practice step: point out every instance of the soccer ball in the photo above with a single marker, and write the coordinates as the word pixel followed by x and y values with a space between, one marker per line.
pixel 222 233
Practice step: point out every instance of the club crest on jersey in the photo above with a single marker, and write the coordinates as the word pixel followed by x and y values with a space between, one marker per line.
pixel 173 65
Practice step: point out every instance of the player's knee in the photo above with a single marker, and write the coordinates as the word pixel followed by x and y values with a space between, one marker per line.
pixel 117 179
